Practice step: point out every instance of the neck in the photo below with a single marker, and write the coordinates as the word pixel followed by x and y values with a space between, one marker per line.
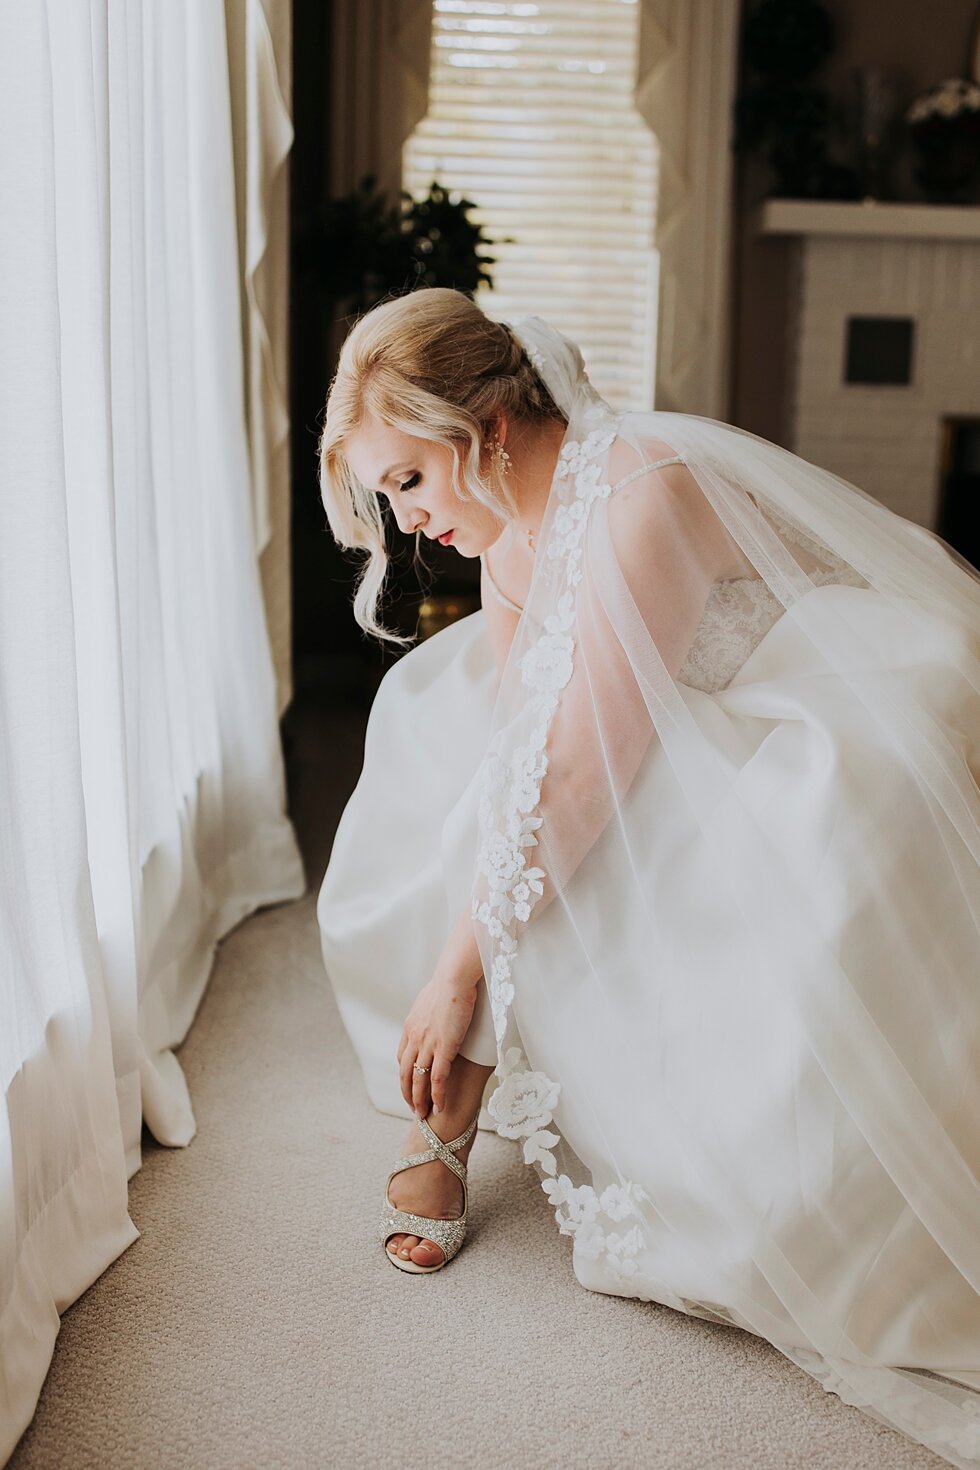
pixel 533 449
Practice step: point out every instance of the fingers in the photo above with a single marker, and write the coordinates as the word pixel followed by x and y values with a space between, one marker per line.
pixel 415 1085
pixel 421 1093
pixel 405 1074
pixel 438 1079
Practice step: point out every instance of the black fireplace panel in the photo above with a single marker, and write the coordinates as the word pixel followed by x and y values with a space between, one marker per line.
pixel 879 350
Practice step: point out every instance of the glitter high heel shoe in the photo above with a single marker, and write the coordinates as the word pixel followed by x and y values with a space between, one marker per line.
pixel 448 1235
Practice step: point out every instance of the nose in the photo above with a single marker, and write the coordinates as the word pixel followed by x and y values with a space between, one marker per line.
pixel 415 519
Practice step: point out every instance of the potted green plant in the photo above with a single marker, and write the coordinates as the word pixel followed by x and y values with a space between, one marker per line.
pixel 365 248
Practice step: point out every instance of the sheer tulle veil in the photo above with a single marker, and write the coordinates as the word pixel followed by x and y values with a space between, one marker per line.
pixel 817 820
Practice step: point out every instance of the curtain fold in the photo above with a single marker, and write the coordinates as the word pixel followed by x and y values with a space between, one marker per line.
pixel 685 90
pixel 259 34
pixel 379 88
pixel 140 768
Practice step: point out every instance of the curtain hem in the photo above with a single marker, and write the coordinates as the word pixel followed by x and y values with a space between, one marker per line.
pixel 74 1227
pixel 269 870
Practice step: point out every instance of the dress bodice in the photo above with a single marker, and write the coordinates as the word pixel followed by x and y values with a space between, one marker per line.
pixel 739 611
pixel 737 616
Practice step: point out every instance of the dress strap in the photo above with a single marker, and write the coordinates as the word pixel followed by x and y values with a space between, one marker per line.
pixel 500 596
pixel 645 469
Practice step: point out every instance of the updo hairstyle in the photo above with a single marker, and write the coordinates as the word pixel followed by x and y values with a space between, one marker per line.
pixel 434 365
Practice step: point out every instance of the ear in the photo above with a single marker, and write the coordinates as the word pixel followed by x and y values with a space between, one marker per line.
pixel 500 428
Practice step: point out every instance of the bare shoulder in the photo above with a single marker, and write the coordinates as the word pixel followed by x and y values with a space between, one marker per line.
pixel 628 455
pixel 664 508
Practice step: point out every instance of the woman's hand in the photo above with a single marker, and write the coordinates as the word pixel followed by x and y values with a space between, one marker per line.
pixel 432 1035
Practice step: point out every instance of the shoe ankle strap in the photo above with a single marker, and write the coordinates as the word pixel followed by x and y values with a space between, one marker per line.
pixel 443 1149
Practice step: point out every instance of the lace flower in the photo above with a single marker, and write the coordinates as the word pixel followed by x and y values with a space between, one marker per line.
pixel 547 664
pixel 503 861
pixel 523 1104
pixel 619 1200
pixel 577 1206
pixel 537 1149
pixel 620 1250
pixel 575 456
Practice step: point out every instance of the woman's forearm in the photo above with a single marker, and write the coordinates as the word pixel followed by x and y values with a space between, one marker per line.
pixel 573 822
pixel 460 964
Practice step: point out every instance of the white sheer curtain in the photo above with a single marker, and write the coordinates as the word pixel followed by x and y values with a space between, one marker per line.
pixel 141 777
pixel 259 34
pixel 685 91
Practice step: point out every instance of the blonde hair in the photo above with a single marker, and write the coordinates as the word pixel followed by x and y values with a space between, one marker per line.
pixel 433 365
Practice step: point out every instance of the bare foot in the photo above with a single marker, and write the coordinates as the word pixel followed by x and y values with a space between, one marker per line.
pixel 433 1189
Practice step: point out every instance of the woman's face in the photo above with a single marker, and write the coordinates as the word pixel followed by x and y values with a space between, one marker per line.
pixel 417 477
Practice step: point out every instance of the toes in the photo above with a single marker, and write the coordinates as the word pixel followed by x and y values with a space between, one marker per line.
pixel 410 1247
pixel 427 1253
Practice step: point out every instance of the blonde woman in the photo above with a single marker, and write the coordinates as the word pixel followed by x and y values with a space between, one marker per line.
pixel 674 844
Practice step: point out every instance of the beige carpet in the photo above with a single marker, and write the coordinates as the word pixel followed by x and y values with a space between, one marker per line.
pixel 256 1321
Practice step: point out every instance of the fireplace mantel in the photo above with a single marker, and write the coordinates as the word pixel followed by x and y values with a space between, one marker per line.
pixel 874 219
pixel 882 354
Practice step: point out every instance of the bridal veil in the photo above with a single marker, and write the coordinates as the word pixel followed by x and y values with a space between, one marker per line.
pixel 730 933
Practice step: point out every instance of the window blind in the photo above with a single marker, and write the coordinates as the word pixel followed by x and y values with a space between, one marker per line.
pixel 531 116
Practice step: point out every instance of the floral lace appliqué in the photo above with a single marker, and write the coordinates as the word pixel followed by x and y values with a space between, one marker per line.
pixel 524 1101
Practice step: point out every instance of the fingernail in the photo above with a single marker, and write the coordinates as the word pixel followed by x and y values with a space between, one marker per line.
pixel 435 1107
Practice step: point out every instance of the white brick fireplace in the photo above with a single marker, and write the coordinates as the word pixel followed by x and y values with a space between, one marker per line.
pixel 876 288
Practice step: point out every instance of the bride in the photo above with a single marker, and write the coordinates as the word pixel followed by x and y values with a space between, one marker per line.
pixel 671 849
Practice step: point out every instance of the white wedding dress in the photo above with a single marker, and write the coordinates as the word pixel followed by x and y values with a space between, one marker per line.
pixel 709 1080
pixel 385 906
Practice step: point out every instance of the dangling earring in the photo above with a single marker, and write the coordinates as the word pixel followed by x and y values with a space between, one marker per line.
pixel 499 457
pixel 501 460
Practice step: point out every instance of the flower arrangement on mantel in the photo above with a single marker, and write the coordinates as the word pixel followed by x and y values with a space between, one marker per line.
pixel 944 125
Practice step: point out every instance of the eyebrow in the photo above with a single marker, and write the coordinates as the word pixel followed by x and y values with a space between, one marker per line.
pixel 389 470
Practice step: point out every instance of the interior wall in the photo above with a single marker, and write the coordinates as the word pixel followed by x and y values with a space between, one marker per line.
pixel 928 44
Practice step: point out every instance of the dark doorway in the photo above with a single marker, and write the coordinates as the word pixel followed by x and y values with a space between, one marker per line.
pixel 959 487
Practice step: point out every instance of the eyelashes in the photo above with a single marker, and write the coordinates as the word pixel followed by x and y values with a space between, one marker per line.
pixel 411 484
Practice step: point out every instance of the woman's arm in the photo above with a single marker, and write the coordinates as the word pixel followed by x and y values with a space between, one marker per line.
pixel 656 551
pixel 439 1019
pixel 441 1014
pixel 653 553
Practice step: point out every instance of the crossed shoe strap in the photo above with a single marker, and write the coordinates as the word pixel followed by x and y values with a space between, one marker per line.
pixel 440 1149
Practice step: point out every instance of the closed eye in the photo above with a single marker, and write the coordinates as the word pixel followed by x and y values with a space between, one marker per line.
pixel 411 484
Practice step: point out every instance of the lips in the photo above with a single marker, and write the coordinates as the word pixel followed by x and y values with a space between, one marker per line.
pixel 445 538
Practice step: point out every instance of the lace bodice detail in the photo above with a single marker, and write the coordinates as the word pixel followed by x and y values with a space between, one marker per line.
pixel 736 618
pixel 739 613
